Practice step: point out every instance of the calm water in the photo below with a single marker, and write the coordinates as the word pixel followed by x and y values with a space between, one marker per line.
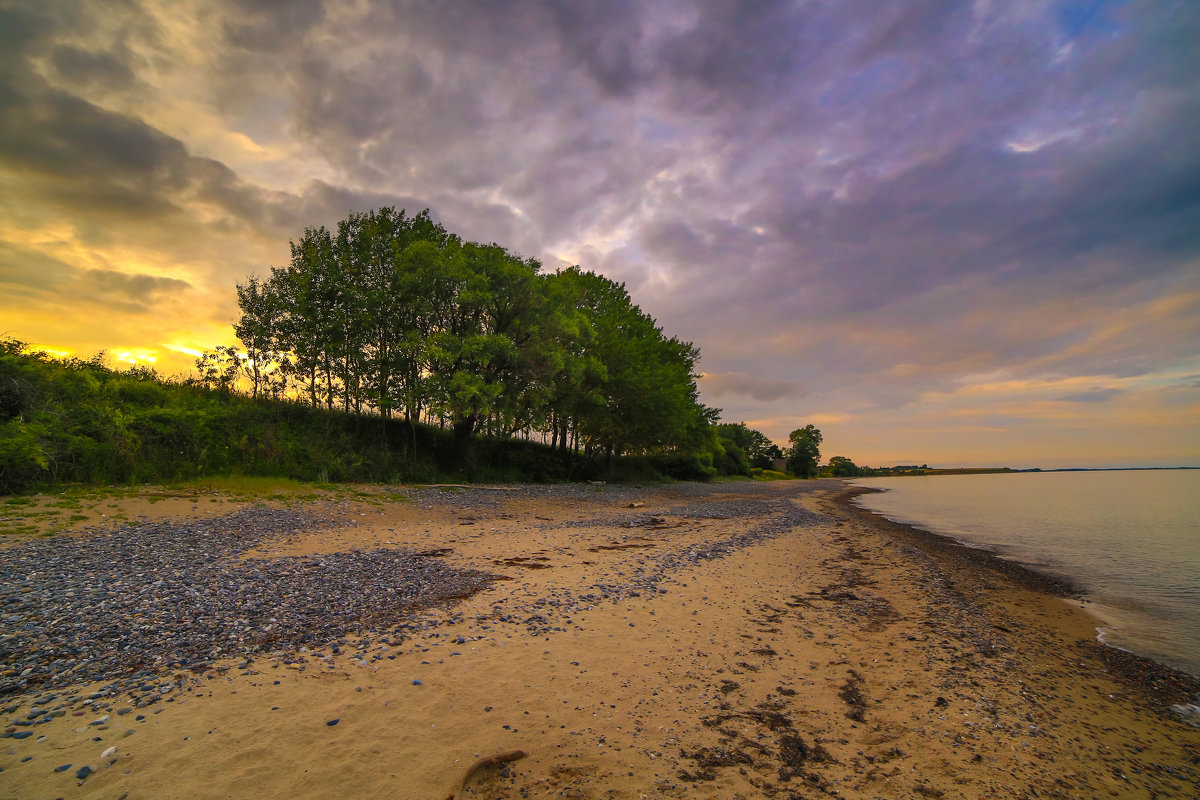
pixel 1130 539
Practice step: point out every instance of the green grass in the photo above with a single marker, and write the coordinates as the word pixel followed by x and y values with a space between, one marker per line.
pixel 252 487
pixel 240 484
pixel 283 490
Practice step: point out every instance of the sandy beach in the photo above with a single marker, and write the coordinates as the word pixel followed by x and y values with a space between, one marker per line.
pixel 733 640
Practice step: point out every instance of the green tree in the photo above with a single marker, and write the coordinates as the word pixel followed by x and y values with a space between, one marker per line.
pixel 219 368
pixel 307 326
pixel 485 320
pixel 758 448
pixel 650 397
pixel 805 453
pixel 258 330
pixel 394 312
pixel 374 255
pixel 842 467
pixel 575 301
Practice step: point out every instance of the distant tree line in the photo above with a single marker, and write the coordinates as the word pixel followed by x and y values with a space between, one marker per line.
pixel 396 316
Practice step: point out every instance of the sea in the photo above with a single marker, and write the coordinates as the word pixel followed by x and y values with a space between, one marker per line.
pixel 1130 539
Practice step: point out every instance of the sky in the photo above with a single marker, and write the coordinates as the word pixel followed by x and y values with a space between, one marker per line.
pixel 953 233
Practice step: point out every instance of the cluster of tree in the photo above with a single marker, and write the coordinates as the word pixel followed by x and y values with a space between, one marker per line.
pixel 396 316
pixel 78 421
pixel 743 449
pixel 842 467
pixel 804 456
pixel 437 340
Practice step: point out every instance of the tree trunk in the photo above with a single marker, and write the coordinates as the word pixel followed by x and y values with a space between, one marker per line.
pixel 463 428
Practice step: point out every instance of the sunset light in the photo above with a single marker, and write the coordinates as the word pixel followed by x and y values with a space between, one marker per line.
pixel 848 229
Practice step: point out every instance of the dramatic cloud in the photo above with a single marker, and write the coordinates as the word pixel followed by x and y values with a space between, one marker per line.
pixel 957 232
pixel 742 384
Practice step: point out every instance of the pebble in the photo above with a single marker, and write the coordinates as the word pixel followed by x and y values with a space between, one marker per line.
pixel 129 604
pixel 132 605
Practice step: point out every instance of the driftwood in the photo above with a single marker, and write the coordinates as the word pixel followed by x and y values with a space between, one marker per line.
pixel 481 764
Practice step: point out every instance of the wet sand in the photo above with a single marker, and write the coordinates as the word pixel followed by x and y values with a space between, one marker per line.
pixel 646 644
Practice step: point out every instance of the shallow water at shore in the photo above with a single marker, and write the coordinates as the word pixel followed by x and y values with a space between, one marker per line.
pixel 1129 539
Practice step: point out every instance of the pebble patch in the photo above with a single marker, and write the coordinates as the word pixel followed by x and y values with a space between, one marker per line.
pixel 127 604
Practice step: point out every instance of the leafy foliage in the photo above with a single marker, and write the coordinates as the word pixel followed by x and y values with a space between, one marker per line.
pixel 80 422
pixel 842 467
pixel 805 453
pixel 757 449
pixel 387 350
pixel 395 314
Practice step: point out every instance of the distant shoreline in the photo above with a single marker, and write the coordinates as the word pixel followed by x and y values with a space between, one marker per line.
pixel 932 471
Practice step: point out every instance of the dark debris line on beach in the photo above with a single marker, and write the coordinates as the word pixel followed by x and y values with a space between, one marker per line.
pixel 126 604
pixel 651 572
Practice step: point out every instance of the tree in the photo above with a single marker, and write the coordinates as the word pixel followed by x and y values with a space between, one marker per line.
pixel 219 368
pixel 758 448
pixel 805 452
pixel 394 314
pixel 258 328
pixel 624 387
pixel 842 467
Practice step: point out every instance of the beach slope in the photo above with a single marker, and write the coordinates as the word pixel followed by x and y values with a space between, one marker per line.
pixel 726 640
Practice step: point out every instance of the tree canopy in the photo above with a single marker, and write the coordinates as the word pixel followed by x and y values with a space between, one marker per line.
pixel 805 453
pixel 843 467
pixel 396 315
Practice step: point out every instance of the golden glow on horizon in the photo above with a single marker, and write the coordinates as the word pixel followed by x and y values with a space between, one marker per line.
pixel 191 351
pixel 55 352
pixel 136 357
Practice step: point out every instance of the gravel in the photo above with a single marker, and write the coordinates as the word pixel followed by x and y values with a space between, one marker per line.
pixel 129 606
pixel 129 603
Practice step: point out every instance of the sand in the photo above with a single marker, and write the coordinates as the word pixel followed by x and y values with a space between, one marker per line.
pixel 850 657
